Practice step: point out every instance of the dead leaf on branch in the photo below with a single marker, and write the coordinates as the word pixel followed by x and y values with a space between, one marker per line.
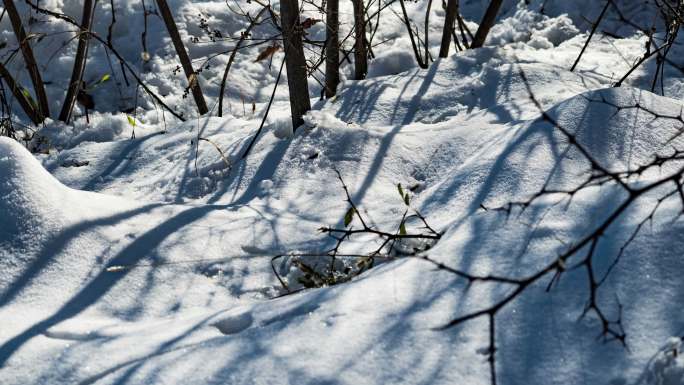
pixel 309 22
pixel 267 52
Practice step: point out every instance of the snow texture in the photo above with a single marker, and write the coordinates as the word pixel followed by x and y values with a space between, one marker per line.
pixel 142 254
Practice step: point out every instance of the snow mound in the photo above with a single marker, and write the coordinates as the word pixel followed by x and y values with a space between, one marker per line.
pixel 168 284
pixel 38 219
pixel 527 26
pixel 158 323
pixel 170 166
pixel 391 61
pixel 29 196
pixel 476 83
pixel 621 128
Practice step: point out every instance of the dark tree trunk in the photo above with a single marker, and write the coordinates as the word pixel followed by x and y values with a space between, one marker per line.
pixel 448 30
pixel 427 33
pixel 295 61
pixel 79 63
pixel 332 48
pixel 193 81
pixel 18 93
pixel 487 22
pixel 29 59
pixel 360 50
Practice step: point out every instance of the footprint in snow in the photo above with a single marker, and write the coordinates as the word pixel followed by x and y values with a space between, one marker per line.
pixel 234 324
pixel 667 367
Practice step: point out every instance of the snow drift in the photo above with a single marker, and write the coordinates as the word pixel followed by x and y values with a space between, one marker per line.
pixel 160 271
pixel 388 315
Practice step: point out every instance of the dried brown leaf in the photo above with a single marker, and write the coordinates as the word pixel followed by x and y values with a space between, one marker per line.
pixel 267 52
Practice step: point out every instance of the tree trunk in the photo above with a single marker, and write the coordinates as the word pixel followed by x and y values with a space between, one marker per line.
pixel 79 63
pixel 427 33
pixel 29 59
pixel 193 81
pixel 18 92
pixel 332 48
pixel 360 51
pixel 449 22
pixel 295 61
pixel 487 22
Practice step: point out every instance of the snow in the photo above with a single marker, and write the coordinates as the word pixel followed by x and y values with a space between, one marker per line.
pixel 144 254
pixel 666 367
pixel 534 28
pixel 391 61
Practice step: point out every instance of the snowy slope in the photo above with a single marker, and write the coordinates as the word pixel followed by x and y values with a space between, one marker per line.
pixel 172 317
pixel 147 260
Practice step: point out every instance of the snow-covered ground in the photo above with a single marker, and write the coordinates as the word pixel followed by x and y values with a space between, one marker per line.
pixel 148 260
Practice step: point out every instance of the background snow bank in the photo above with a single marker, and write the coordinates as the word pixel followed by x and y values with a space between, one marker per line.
pixel 531 27
pixel 249 82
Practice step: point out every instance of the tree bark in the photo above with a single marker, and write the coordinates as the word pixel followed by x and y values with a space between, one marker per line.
pixel 447 31
pixel 427 33
pixel 295 61
pixel 18 92
pixel 332 48
pixel 29 59
pixel 80 62
pixel 193 81
pixel 360 50
pixel 487 22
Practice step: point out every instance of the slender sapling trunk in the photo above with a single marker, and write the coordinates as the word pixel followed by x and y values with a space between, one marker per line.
pixel 360 49
pixel 75 85
pixel 332 48
pixel 295 61
pixel 487 22
pixel 29 59
pixel 193 81
pixel 447 31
